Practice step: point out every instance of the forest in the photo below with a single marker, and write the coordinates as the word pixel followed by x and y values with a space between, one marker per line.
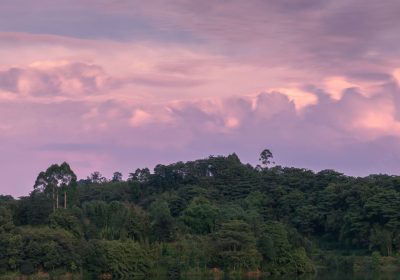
pixel 212 215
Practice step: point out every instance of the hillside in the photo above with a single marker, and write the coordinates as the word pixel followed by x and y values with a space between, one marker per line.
pixel 214 214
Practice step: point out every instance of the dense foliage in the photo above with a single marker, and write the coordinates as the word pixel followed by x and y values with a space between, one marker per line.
pixel 209 214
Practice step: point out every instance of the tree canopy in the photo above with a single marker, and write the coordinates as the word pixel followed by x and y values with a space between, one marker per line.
pixel 208 213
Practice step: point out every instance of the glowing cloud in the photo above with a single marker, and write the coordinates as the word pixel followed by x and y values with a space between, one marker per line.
pixel 130 84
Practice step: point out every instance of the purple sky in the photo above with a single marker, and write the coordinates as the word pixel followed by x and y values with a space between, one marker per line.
pixel 116 85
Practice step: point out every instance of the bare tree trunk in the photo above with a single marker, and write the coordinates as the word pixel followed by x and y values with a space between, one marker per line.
pixel 57 199
pixel 65 199
pixel 54 207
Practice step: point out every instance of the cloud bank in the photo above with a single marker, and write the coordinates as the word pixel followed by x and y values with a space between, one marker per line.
pixel 116 86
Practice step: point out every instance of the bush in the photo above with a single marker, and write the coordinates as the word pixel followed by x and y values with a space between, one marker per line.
pixel 57 272
pixel 321 257
pixel 93 259
pixel 125 259
pixel 175 268
pixel 331 261
pixel 376 260
pixel 301 261
pixel 73 267
pixel 348 263
pixel 27 268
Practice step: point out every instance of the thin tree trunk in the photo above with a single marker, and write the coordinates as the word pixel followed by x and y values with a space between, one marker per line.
pixel 57 199
pixel 54 207
pixel 65 199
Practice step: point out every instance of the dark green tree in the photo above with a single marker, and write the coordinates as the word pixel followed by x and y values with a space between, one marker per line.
pixel 200 215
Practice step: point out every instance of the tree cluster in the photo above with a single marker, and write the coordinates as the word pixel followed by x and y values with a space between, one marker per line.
pixel 213 213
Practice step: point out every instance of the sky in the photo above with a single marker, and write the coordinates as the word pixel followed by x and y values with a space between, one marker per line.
pixel 119 85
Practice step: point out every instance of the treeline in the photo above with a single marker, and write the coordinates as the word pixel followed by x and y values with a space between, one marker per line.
pixel 210 214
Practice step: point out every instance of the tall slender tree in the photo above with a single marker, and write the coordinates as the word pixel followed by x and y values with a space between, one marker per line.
pixel 54 178
pixel 67 180
pixel 47 182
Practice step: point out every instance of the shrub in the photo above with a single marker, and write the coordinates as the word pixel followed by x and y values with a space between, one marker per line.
pixel 125 259
pixel 348 263
pixel 376 260
pixel 27 268
pixel 331 261
pixel 175 268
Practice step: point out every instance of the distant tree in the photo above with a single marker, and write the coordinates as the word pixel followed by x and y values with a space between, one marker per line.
pixel 235 235
pixel 158 208
pixel 117 177
pixel 15 251
pixel 143 175
pixel 5 198
pixel 56 177
pixel 164 228
pixel 200 215
pixel 133 176
pixel 265 157
pixel 67 180
pixel 97 178
pixel 93 258
pixel 281 246
pixel 306 218
pixel 6 222
pixel 62 219
pixel 266 246
pixel 133 226
pixel 47 182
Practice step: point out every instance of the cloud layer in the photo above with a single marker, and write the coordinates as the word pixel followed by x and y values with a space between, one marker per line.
pixel 116 86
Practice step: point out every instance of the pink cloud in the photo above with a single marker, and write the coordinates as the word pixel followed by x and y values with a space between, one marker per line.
pixel 138 84
pixel 56 78
pixel 63 78
pixel 114 135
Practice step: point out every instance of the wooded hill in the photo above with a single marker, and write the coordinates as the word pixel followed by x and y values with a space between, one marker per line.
pixel 209 214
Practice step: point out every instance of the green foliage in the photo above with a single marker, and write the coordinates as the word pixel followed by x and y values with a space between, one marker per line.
pixel 164 228
pixel 158 208
pixel 105 220
pixel 376 260
pixel 348 263
pixel 27 268
pixel 331 261
pixel 93 258
pixel 5 199
pixel 235 235
pixel 6 222
pixel 175 267
pixel 265 156
pixel 200 215
pixel 383 240
pixel 62 219
pixel 241 261
pixel 214 212
pixel 125 259
pixel 55 180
